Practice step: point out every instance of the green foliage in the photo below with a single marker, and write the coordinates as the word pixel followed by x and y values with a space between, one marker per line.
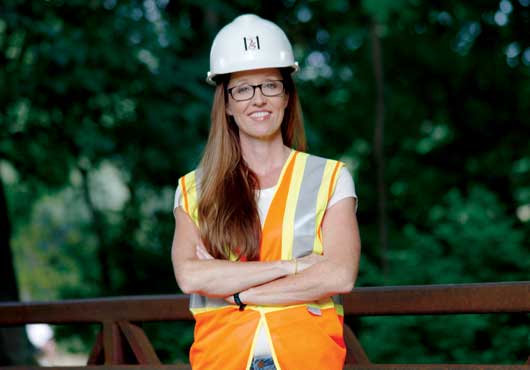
pixel 104 106
pixel 470 239
pixel 171 340
pixel 49 250
pixel 446 339
pixel 382 10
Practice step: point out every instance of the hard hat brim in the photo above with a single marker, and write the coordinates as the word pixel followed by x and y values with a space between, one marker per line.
pixel 212 78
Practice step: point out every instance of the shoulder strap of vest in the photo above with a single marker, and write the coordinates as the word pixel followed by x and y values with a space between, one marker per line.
pixel 188 185
pixel 327 187
pixel 277 217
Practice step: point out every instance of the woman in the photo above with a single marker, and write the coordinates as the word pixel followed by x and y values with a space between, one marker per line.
pixel 265 236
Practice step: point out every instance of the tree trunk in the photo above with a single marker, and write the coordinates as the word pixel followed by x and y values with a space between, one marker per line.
pixel 99 229
pixel 9 290
pixel 379 144
pixel 15 349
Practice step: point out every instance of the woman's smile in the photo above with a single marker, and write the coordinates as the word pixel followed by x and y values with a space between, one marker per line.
pixel 260 115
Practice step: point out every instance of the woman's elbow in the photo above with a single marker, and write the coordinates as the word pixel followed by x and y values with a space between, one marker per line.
pixel 185 286
pixel 345 282
pixel 347 286
pixel 184 279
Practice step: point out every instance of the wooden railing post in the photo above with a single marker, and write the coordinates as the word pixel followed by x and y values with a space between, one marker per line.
pixel 355 353
pixel 112 344
pixel 121 343
pixel 139 343
pixel 96 354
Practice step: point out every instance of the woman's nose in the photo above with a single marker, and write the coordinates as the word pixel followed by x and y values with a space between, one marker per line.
pixel 258 98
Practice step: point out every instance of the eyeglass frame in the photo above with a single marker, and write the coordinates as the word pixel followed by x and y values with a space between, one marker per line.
pixel 254 90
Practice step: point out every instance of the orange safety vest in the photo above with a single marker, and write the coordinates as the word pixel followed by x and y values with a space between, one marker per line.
pixel 302 336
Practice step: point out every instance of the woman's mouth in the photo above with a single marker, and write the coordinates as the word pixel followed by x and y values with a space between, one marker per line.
pixel 260 115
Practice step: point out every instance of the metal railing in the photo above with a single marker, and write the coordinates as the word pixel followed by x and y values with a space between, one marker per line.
pixel 122 344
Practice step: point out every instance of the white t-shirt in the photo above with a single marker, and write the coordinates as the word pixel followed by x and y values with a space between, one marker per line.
pixel 345 188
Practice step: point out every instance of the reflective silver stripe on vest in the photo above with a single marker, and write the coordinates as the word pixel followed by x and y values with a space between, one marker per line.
pixel 305 228
pixel 304 219
pixel 199 301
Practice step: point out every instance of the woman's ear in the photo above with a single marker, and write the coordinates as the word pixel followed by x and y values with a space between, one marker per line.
pixel 228 110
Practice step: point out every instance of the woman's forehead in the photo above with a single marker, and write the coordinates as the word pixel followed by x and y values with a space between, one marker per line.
pixel 255 75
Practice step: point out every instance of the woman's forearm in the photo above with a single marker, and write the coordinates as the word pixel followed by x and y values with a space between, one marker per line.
pixel 322 280
pixel 218 278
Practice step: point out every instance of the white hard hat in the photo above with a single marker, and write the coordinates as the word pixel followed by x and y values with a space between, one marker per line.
pixel 249 42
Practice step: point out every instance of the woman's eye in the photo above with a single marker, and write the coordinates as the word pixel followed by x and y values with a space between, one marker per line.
pixel 243 89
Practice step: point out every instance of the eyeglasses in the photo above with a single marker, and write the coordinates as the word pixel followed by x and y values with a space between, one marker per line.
pixel 246 92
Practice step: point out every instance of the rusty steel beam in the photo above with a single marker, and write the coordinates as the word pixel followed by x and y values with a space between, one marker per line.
pixel 93 310
pixel 513 297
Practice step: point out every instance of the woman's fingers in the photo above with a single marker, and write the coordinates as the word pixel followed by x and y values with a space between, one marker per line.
pixel 309 260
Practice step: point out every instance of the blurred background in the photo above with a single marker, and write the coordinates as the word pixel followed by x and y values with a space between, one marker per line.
pixel 103 106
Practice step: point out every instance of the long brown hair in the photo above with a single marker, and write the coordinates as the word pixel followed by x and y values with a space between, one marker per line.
pixel 228 212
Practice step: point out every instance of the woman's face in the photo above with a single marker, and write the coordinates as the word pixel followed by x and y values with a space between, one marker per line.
pixel 259 117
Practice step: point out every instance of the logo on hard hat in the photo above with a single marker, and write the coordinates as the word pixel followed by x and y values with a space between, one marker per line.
pixel 251 43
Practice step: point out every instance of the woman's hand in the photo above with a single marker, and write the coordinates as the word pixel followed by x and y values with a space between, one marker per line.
pixel 308 261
